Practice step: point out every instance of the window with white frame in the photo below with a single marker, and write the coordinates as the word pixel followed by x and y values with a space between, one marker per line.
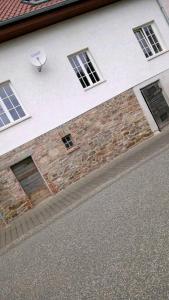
pixel 84 68
pixel 148 40
pixel 10 108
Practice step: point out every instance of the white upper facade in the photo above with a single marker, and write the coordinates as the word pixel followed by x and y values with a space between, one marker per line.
pixel 165 5
pixel 55 95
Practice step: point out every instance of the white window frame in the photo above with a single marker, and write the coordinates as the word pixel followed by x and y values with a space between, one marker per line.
pixel 158 36
pixel 12 122
pixel 84 70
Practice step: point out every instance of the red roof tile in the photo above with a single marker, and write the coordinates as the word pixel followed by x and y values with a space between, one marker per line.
pixel 13 8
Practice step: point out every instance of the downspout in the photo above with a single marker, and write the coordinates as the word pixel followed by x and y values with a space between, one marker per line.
pixel 163 11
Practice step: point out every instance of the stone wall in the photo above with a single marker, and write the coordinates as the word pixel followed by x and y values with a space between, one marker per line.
pixel 99 135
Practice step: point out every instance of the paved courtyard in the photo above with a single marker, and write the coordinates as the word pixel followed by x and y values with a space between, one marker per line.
pixel 113 246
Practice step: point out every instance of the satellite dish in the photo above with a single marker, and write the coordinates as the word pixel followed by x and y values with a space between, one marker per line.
pixel 38 59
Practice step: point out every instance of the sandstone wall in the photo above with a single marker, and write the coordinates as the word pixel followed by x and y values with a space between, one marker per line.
pixel 99 135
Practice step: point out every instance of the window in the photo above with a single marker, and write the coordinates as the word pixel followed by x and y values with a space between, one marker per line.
pixel 148 40
pixel 67 140
pixel 84 69
pixel 10 108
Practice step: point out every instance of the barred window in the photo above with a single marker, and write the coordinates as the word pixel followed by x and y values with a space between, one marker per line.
pixel 148 40
pixel 10 108
pixel 84 68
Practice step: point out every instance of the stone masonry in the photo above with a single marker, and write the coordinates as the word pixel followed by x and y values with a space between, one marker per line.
pixel 99 135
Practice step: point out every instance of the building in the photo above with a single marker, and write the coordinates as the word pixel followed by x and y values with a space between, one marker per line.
pixel 103 89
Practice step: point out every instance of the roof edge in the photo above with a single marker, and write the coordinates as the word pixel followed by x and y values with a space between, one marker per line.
pixel 48 17
pixel 37 12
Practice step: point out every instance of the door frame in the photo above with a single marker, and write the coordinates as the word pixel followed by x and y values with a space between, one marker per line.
pixel 146 111
pixel 39 171
pixel 159 83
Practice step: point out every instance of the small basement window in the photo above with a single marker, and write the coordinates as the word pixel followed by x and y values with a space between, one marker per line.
pixel 67 140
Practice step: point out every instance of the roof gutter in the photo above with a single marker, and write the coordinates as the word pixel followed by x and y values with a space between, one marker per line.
pixel 163 11
pixel 37 12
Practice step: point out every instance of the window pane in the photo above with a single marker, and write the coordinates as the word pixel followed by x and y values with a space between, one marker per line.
pixel 87 57
pixel 79 71
pixel 8 103
pixel 91 66
pixel 150 29
pixel 14 114
pixel 146 31
pixel 2 93
pixel 1 123
pixel 82 82
pixel 92 78
pixel 1 110
pixel 143 43
pixel 8 90
pixel 5 119
pixel 152 39
pixel 82 57
pixel 74 62
pixel 88 66
pixel 96 76
pixel 155 48
pixel 14 100
pixel 159 47
pixel 20 111
pixel 86 81
pixel 139 34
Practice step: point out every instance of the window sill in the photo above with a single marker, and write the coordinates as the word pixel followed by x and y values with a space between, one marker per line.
pixel 92 86
pixel 156 55
pixel 72 149
pixel 15 123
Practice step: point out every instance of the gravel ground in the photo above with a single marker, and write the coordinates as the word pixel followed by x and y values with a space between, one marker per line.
pixel 113 246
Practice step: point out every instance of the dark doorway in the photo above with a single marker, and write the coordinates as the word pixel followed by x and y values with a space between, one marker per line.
pixel 30 179
pixel 157 104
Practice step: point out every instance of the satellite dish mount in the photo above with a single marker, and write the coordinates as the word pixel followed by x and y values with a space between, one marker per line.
pixel 38 59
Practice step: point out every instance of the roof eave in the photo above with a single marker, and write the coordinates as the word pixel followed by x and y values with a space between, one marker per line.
pixel 49 16
pixel 36 12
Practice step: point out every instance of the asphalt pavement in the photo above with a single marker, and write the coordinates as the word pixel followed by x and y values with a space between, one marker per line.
pixel 55 206
pixel 114 245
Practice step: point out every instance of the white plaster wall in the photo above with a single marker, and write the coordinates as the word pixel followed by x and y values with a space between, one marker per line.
pixel 165 4
pixel 55 96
